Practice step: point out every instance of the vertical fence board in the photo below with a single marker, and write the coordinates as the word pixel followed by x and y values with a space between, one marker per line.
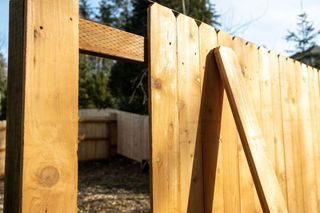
pixel 271 113
pixel 47 148
pixel 213 176
pixel 163 110
pixel 277 140
pixel 266 121
pixel 229 140
pixel 189 97
pixel 261 167
pixel 290 134
pixel 253 82
pixel 305 138
pixel 211 109
pixel 51 107
pixel 314 102
pixel 247 188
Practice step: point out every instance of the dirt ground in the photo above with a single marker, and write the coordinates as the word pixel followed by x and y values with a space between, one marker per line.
pixel 113 186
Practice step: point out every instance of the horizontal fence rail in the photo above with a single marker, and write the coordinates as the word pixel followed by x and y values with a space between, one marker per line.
pixel 101 40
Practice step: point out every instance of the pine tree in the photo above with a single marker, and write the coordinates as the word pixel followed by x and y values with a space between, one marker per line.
pixel 305 35
pixel 84 9
pixel 304 38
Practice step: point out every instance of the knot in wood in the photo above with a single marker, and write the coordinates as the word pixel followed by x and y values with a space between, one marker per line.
pixel 156 83
pixel 48 176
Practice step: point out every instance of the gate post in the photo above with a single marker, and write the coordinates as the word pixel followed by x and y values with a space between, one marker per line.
pixel 42 119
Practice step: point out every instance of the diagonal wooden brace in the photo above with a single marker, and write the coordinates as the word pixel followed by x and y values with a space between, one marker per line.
pixel 264 176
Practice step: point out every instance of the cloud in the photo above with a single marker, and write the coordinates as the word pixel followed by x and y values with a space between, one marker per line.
pixel 270 29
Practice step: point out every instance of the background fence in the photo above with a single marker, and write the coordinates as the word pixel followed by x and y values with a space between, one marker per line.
pixel 198 162
pixel 132 133
pixel 97 137
pixel 102 134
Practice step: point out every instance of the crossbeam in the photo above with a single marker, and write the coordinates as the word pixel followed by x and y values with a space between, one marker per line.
pixel 104 41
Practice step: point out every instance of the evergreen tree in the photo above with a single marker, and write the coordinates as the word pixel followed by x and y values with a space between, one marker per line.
pixel 305 35
pixel 304 39
pixel 84 9
pixel 94 74
pixel 114 13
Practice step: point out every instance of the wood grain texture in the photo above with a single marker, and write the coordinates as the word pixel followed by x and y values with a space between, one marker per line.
pixel 277 121
pixel 306 138
pixel 249 197
pixel 266 182
pixel 271 113
pixel 267 116
pixel 104 41
pixel 189 98
pixel 133 135
pixel 95 137
pixel 210 113
pixel 163 89
pixel 45 160
pixel 290 135
pixel 229 141
pixel 253 73
pixel 227 181
pixel 316 120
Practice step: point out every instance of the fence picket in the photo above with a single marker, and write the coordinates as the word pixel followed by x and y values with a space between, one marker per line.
pixel 163 94
pixel 211 110
pixel 229 139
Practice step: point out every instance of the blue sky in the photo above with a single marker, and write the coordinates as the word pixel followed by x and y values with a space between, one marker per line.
pixel 271 18
pixel 4 14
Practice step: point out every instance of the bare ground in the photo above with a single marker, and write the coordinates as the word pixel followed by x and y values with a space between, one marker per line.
pixel 112 186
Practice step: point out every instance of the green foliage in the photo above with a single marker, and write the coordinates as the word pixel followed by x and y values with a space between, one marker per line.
pixel 121 84
pixel 128 81
pixel 93 82
pixel 304 38
pixel 114 13
pixel 94 75
pixel 305 35
pixel 84 9
pixel 202 10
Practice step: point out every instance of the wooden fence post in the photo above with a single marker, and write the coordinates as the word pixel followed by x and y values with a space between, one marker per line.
pixel 41 156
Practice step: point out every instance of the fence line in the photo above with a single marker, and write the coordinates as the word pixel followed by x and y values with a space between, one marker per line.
pixel 188 167
pixel 97 137
pixel 102 134
pixel 132 132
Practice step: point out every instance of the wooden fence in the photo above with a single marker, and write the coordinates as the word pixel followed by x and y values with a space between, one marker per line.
pixel 132 132
pixel 133 136
pixel 97 137
pixel 102 134
pixel 198 162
